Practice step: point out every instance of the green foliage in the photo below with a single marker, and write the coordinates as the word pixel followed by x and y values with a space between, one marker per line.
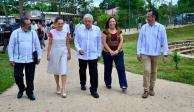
pixel 107 4
pixel 123 18
pixel 176 59
pixel 102 20
pixel 185 6
pixel 76 20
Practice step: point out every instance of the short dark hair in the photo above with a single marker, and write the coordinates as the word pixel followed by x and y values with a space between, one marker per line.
pixel 107 23
pixel 154 13
pixel 58 18
pixel 22 20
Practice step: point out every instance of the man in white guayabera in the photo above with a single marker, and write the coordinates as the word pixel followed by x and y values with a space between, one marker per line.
pixel 89 47
pixel 152 39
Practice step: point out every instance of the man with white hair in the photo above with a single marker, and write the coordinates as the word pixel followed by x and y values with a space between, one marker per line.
pixel 88 45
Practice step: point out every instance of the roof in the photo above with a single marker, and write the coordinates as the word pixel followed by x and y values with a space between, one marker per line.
pixel 62 13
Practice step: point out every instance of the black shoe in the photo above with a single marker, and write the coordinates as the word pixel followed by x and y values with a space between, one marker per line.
pixel 32 97
pixel 108 86
pixel 124 89
pixel 83 88
pixel 20 94
pixel 95 94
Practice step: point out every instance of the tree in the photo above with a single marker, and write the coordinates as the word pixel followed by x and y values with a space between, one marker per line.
pixel 107 4
pixel 137 8
pixel 185 6
pixel 84 6
pixel 102 20
pixel 21 7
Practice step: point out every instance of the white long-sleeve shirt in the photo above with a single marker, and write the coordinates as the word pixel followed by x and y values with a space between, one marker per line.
pixel 20 46
pixel 152 40
pixel 88 40
pixel 66 27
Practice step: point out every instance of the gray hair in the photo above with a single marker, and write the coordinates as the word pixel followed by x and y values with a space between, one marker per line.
pixel 88 16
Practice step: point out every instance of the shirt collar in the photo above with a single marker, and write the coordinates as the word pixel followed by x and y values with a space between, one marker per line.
pixel 88 29
pixel 155 24
pixel 20 30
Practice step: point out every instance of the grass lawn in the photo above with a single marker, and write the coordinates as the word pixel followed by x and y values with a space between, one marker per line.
pixel 6 73
pixel 185 74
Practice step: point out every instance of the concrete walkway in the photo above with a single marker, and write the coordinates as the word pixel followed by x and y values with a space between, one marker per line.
pixel 170 96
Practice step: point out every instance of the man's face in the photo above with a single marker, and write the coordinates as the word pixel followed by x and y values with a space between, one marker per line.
pixel 88 22
pixel 27 25
pixel 150 18
pixel 33 22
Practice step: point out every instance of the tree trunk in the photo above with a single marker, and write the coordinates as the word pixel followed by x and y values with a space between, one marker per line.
pixel 21 2
pixel 5 11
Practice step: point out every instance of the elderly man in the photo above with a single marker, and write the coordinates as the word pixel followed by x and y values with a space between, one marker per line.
pixel 88 45
pixel 152 39
pixel 23 42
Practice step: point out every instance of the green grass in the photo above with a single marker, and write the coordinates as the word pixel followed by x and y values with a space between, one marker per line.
pixel 185 74
pixel 6 73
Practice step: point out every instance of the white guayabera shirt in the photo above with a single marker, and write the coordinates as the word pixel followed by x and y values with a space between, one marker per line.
pixel 21 46
pixel 88 40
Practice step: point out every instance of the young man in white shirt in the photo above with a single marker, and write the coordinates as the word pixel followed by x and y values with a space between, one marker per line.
pixel 89 47
pixel 152 38
pixel 23 42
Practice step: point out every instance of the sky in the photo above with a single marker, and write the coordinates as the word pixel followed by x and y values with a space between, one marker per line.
pixel 97 2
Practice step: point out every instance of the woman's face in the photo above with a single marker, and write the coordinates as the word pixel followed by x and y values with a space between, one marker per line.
pixel 112 23
pixel 59 24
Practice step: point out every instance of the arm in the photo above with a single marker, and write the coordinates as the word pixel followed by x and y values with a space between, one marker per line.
pixel 99 43
pixel 164 45
pixel 11 48
pixel 49 45
pixel 68 46
pixel 120 44
pixel 76 41
pixel 139 44
pixel 164 42
pixel 37 45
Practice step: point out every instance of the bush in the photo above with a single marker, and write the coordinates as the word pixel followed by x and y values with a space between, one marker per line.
pixel 176 59
pixel 102 20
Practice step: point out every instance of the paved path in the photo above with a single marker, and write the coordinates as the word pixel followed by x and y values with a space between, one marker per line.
pixel 170 96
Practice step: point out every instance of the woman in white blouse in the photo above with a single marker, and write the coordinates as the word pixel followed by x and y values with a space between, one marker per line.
pixel 58 54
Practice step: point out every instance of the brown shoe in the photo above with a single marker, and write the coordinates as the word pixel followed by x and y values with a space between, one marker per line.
pixel 145 94
pixel 151 92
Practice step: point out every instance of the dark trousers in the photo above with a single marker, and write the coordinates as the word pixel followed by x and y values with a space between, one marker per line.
pixel 29 72
pixel 108 64
pixel 93 71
